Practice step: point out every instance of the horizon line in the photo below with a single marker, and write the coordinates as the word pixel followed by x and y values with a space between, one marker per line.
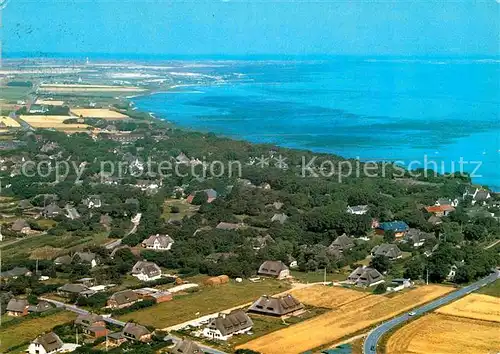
pixel 167 56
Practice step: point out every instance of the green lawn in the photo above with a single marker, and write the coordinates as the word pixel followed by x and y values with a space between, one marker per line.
pixel 207 300
pixel 27 330
pixel 492 289
pixel 316 277
pixel 185 209
pixel 13 93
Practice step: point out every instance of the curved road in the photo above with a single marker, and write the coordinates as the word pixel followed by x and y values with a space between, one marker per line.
pixel 370 345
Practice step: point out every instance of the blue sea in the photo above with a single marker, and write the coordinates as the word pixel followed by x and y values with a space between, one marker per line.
pixel 405 110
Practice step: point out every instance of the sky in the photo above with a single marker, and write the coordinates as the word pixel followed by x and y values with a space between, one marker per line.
pixel 253 27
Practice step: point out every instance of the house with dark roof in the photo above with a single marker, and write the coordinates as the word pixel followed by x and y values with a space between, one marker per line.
pixel 158 242
pixel 480 196
pixel 342 243
pixel 364 276
pixel 85 258
pixel 68 290
pixel 41 307
pixel 92 325
pixel 136 332
pixel 388 250
pixel 16 272
pixel 447 201
pixel 357 209
pixel 434 220
pixel 17 307
pixel 51 211
pixel 66 259
pixel 106 220
pixel 185 346
pixel 261 242
pixel 280 306
pixel 219 256
pixel 71 212
pixel 398 227
pixel 124 298
pixel 146 271
pixel 21 226
pixel 275 269
pixel 46 344
pixel 225 326
pixel 417 238
pixel 92 201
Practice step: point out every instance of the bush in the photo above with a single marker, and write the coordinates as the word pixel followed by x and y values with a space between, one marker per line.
pixel 174 209
pixel 134 307
pixel 380 289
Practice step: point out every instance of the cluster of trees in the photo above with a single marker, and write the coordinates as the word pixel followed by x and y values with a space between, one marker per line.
pixel 315 207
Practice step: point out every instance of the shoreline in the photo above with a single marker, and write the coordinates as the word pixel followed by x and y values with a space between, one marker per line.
pixel 154 115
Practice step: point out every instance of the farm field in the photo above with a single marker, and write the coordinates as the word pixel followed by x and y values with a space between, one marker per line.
pixel 438 333
pixel 475 306
pixel 207 300
pixel 56 122
pixel 347 319
pixel 88 88
pixel 28 329
pixel 13 93
pixel 9 122
pixel 98 113
pixel 328 297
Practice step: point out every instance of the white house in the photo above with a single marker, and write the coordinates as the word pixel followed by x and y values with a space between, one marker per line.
pixel 225 326
pixel 158 242
pixel 478 196
pixel 146 271
pixel 50 343
pixel 357 209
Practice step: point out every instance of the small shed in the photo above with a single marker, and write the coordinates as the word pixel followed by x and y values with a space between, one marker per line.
pixel 219 280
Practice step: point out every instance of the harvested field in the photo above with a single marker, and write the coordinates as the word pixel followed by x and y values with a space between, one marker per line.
pixel 325 296
pixel 437 333
pixel 9 122
pixel 28 329
pixel 87 88
pixel 476 306
pixel 98 113
pixel 56 122
pixel 355 316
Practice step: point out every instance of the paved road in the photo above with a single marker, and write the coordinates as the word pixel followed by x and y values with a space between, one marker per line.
pixel 81 311
pixel 371 341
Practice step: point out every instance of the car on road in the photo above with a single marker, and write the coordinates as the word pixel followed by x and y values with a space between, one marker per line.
pixel 411 314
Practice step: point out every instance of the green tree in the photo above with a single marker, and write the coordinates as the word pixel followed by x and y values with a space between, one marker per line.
pixel 380 263
pixel 380 289
pixel 200 198
pixel 389 236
